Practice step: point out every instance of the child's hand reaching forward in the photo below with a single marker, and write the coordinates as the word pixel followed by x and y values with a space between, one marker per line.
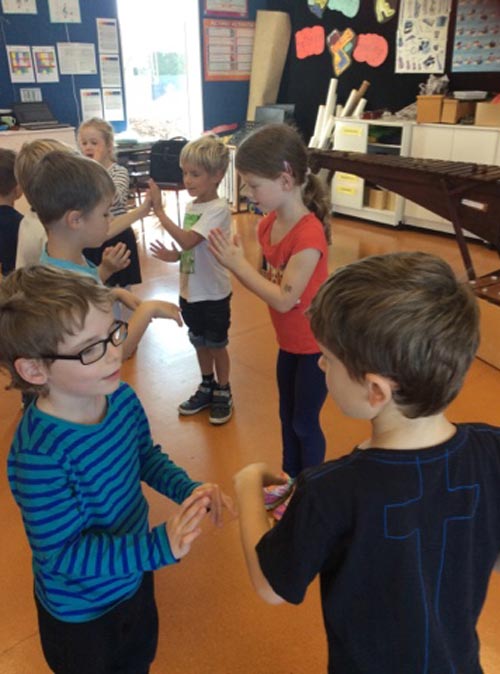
pixel 161 252
pixel 218 501
pixel 228 253
pixel 155 193
pixel 162 309
pixel 114 258
pixel 184 527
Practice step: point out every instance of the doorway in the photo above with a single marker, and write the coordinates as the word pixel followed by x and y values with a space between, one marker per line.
pixel 161 62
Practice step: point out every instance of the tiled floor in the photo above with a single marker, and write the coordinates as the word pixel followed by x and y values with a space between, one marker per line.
pixel 211 621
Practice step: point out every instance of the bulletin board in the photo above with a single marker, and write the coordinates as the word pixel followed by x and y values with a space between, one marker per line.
pixel 59 51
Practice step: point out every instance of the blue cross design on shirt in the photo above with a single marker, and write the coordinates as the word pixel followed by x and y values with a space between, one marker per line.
pixel 417 518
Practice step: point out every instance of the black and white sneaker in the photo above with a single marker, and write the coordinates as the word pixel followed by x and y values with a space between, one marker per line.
pixel 200 400
pixel 221 408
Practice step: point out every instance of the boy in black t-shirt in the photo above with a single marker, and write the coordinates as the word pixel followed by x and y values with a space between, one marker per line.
pixel 404 531
pixel 9 217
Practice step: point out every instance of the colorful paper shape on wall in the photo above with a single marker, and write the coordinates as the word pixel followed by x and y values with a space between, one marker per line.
pixel 317 7
pixel 348 7
pixel 371 48
pixel 385 10
pixel 341 46
pixel 310 42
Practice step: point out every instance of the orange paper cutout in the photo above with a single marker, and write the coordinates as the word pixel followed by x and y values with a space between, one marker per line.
pixel 371 48
pixel 310 42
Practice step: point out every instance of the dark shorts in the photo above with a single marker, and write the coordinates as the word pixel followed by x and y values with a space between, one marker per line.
pixel 123 640
pixel 208 322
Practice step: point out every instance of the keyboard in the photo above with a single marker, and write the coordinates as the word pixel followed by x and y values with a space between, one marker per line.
pixel 41 126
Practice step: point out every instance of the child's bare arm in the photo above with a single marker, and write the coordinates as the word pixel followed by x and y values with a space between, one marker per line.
pixel 114 258
pixel 254 523
pixel 282 297
pixel 142 316
pixel 122 222
pixel 127 298
pixel 186 239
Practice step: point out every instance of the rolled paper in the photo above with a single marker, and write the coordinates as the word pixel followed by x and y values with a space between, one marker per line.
pixel 319 121
pixel 326 133
pixel 313 142
pixel 350 104
pixel 331 97
pixel 338 110
pixel 359 108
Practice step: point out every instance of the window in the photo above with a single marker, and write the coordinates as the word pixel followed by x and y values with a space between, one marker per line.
pixel 161 61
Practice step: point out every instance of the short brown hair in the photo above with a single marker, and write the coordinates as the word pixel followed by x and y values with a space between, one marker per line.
pixel 406 317
pixel 39 307
pixel 65 182
pixel 276 148
pixel 7 177
pixel 30 154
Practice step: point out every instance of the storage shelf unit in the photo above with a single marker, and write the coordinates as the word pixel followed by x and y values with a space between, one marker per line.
pixel 350 194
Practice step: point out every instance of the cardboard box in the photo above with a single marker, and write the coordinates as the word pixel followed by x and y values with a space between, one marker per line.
pixel 390 201
pixel 490 333
pixel 376 198
pixel 429 108
pixel 487 114
pixel 453 110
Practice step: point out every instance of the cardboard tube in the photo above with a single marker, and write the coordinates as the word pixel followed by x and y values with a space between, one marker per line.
pixel 331 97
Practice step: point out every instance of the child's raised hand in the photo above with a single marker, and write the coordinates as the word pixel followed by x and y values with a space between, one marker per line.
pixel 184 527
pixel 115 258
pixel 228 253
pixel 155 193
pixel 145 206
pixel 218 501
pixel 162 309
pixel 160 251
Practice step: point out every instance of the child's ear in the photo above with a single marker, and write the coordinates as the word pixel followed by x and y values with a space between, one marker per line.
pixel 73 219
pixel 287 181
pixel 379 389
pixel 31 370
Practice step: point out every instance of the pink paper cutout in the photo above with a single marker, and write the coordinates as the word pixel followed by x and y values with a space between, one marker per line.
pixel 310 42
pixel 371 48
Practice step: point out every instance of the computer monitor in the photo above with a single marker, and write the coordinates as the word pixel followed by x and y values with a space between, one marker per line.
pixel 277 113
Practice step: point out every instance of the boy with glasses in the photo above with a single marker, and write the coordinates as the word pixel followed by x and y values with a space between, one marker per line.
pixel 75 469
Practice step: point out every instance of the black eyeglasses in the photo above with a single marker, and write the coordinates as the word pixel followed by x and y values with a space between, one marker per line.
pixel 94 352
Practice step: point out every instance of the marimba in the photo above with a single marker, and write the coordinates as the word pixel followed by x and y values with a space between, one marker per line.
pixel 467 194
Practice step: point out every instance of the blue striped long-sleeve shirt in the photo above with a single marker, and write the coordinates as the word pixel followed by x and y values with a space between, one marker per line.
pixel 79 491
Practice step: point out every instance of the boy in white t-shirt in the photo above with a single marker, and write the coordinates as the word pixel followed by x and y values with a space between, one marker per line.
pixel 205 286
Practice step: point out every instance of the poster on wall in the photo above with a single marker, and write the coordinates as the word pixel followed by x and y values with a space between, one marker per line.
pixel 45 62
pixel 110 70
pixel 107 36
pixel 64 11
pixel 77 58
pixel 227 49
pixel 19 7
pixel 421 36
pixel 20 63
pixel 476 47
pixel 113 105
pixel 91 103
pixel 236 8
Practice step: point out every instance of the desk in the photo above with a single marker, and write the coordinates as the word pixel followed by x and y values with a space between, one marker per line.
pixel 14 140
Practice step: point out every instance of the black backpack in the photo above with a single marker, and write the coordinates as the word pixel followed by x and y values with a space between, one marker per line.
pixel 165 160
